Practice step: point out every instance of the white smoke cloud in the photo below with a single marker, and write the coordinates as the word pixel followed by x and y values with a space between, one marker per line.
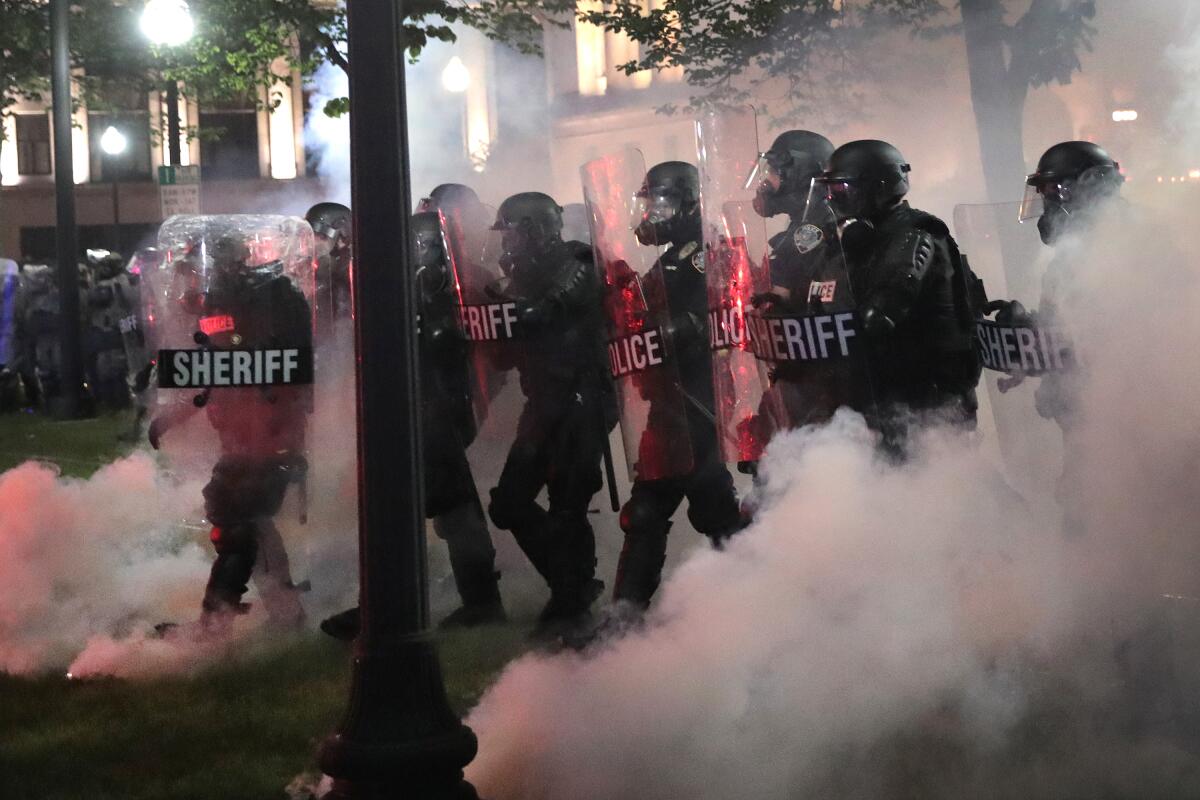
pixel 82 556
pixel 891 631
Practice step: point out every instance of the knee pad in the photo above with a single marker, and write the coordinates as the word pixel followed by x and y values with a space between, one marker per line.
pixel 640 515
pixel 240 537
pixel 504 512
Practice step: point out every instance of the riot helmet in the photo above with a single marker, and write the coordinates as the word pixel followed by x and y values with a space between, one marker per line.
pixel 449 195
pixel 667 208
pixel 236 272
pixel 1072 179
pixel 429 263
pixel 783 174
pixel 105 264
pixel 530 223
pixel 864 179
pixel 331 223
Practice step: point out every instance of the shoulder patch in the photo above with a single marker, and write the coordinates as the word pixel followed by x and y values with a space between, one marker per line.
pixel 698 261
pixel 807 237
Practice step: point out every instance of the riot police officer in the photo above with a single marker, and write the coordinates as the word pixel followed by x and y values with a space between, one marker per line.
pixel 913 292
pixel 40 322
pixel 448 428
pixel 568 407
pixel 804 255
pixel 229 303
pixel 671 218
pixel 108 308
pixel 334 243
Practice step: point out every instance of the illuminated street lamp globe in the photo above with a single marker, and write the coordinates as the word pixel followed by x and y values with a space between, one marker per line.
pixel 112 141
pixel 456 77
pixel 167 22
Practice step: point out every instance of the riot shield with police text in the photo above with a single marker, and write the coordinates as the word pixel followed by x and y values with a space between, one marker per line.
pixel 734 245
pixel 1021 353
pixel 642 358
pixel 234 305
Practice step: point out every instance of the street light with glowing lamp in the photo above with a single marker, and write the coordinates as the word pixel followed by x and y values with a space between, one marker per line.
pixel 114 143
pixel 456 78
pixel 168 23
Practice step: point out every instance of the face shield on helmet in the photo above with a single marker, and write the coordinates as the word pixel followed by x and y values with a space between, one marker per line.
pixel 429 261
pixel 833 198
pixel 765 176
pixel 653 211
pixel 187 287
pixel 1044 195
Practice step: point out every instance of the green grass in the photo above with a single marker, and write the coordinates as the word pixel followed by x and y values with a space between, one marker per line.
pixel 241 730
pixel 79 447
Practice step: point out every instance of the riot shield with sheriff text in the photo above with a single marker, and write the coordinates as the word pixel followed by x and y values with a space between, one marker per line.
pixel 233 298
pixel 642 359
pixel 487 318
pixel 1023 353
pixel 804 327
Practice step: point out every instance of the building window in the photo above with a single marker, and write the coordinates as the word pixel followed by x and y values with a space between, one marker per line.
pixel 228 144
pixel 33 144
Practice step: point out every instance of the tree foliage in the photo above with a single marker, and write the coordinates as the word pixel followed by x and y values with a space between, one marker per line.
pixel 240 47
pixel 798 53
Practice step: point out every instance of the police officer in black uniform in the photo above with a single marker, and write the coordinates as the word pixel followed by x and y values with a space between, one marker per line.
pixel 448 428
pixel 568 412
pixel 915 295
pixel 108 309
pixel 334 242
pixel 672 218
pixel 262 432
pixel 803 258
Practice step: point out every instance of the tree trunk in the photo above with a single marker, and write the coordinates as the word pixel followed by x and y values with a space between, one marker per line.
pixel 999 106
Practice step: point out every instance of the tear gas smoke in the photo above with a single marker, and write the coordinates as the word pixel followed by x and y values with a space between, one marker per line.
pixel 80 557
pixel 885 631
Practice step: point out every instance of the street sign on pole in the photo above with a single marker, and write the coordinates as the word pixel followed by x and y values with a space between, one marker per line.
pixel 179 190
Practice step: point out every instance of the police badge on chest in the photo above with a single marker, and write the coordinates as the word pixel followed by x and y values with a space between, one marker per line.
pixel 807 237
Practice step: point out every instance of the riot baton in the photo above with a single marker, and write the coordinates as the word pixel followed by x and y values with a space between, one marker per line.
pixel 610 472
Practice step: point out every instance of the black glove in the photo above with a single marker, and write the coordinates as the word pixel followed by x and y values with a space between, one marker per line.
pixel 533 315
pixel 766 298
pixel 1010 314
pixel 876 323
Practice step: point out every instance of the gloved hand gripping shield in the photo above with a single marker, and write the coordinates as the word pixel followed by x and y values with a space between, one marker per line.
pixel 735 273
pixel 1026 355
pixel 642 357
pixel 232 302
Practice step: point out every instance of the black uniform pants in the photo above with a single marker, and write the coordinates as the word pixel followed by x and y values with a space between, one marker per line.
pixel 452 502
pixel 240 499
pixel 557 447
pixel 646 520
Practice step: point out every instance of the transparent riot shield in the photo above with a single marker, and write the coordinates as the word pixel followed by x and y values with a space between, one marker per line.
pixel 735 272
pixel 642 359
pixel 1017 353
pixel 135 320
pixel 233 303
pixel 803 327
pixel 487 319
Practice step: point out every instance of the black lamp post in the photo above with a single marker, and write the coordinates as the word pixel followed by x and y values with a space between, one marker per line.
pixel 399 738
pixel 69 403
